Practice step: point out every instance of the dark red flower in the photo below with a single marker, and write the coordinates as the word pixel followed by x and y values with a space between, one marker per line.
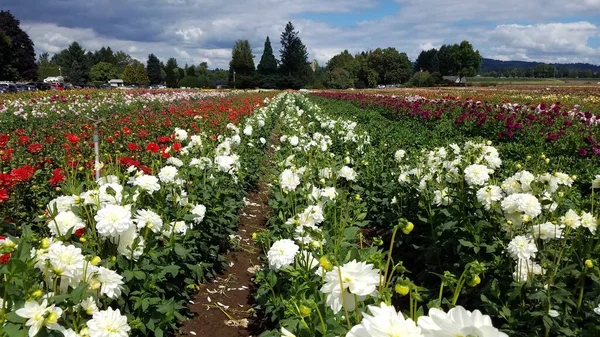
pixel 163 139
pixel 6 155
pixel 4 139
pixel 72 138
pixel 3 195
pixel 57 177
pixel 4 258
pixel 143 134
pixel 79 233
pixel 126 161
pixel 34 148
pixel 146 169
pixel 152 147
pixel 22 174
pixel 23 140
pixel 582 152
pixel 133 147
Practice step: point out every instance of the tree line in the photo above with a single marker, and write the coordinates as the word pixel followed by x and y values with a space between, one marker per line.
pixel 366 69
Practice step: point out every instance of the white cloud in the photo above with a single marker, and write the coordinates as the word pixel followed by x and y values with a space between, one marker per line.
pixel 560 41
pixel 196 31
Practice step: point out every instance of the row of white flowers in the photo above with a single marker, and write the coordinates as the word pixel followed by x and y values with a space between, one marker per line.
pixel 315 170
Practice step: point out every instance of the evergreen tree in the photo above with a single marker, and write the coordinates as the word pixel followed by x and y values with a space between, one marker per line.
pixel 428 61
pixel 74 64
pixel 153 69
pixel 135 74
pixel 44 60
pixel 6 69
pixel 294 59
pixel 191 71
pixel 268 63
pixel 171 70
pixel 242 62
pixel 20 55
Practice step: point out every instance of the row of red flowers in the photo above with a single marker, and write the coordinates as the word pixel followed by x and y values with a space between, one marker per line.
pixel 43 152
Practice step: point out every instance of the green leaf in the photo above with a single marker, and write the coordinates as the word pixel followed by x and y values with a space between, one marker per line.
pixel 180 250
pixel 173 269
pixel 465 243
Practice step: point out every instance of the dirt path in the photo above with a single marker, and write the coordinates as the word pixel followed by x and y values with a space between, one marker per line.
pixel 224 307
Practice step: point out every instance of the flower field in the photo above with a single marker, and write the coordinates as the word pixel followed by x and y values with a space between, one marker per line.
pixel 120 255
pixel 391 215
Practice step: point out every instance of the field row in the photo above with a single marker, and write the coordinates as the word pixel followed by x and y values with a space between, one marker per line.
pixel 121 255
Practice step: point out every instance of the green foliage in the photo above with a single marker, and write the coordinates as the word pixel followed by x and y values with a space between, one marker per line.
pixel 268 63
pixel 422 79
pixel 339 78
pixel 391 66
pixel 171 73
pixel 294 57
pixel 343 60
pixel 190 71
pixel 136 74
pixel 103 71
pixel 196 82
pixel 17 55
pixel 153 70
pixel 428 61
pixel 459 60
pixel 73 63
pixel 242 63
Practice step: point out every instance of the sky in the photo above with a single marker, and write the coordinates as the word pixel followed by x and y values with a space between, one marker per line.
pixel 195 31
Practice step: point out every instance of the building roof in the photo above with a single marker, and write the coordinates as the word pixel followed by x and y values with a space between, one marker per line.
pixel 455 79
pixel 117 80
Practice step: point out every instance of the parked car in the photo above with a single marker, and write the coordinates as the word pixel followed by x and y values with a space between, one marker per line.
pixel 42 86
pixel 9 88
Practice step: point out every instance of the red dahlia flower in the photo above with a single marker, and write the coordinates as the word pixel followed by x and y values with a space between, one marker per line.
pixel 152 147
pixel 72 138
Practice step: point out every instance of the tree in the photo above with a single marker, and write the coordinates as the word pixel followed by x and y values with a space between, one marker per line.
pixel 294 57
pixel 343 60
pixel 180 74
pixel 428 61
pixel 74 63
pixel 122 59
pixel 422 79
pixel 103 71
pixel 6 69
pixel 191 71
pixel 44 60
pixel 21 54
pixel 392 67
pixel 459 60
pixel 366 77
pixel 339 78
pixel 153 69
pixel 171 73
pixel 268 63
pixel 242 62
pixel 77 73
pixel 135 74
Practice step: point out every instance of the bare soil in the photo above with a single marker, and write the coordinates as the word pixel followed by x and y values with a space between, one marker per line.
pixel 224 307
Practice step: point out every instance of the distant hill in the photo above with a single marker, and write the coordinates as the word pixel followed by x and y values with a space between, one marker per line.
pixel 488 65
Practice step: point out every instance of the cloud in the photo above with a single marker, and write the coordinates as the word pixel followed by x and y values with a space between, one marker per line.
pixel 559 41
pixel 196 31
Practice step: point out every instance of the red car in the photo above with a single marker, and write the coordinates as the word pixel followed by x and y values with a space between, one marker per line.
pixel 58 86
